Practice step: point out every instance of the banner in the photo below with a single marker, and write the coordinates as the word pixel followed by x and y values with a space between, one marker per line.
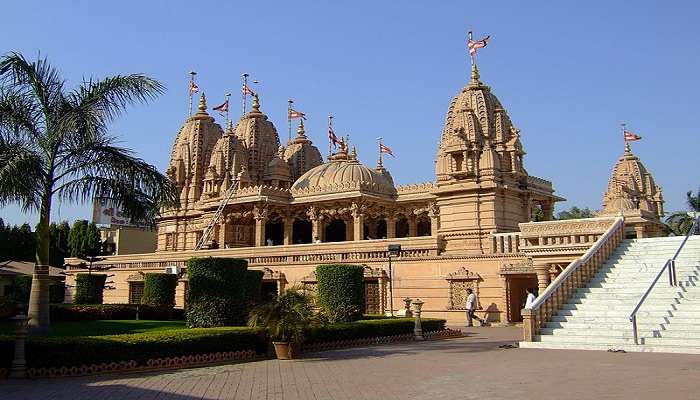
pixel 105 213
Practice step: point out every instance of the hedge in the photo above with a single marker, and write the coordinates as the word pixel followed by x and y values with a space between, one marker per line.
pixel 159 289
pixel 22 286
pixel 369 328
pixel 89 288
pixel 340 286
pixel 93 312
pixel 57 292
pixel 216 292
pixel 253 286
pixel 60 351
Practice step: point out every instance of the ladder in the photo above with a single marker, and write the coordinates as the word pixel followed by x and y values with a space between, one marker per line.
pixel 219 211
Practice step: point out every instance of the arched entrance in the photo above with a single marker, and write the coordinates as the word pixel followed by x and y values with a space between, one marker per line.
pixel 381 229
pixel 335 231
pixel 402 227
pixel 301 231
pixel 423 226
pixel 274 233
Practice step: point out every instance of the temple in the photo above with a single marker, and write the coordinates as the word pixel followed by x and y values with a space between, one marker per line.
pixel 469 228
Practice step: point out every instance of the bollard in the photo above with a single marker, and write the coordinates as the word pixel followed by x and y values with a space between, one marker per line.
pixel 19 364
pixel 407 306
pixel 418 330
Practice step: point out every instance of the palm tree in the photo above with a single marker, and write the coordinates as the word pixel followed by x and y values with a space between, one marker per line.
pixel 54 144
pixel 680 222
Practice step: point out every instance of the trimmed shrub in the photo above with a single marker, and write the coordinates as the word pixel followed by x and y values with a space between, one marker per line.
pixel 159 289
pixel 94 312
pixel 67 351
pixel 369 329
pixel 21 287
pixel 89 288
pixel 216 292
pixel 253 286
pixel 57 292
pixel 340 287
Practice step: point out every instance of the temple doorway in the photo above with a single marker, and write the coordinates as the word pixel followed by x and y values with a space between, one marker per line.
pixel 301 231
pixel 402 227
pixel 335 231
pixel 517 286
pixel 423 226
pixel 381 229
pixel 274 233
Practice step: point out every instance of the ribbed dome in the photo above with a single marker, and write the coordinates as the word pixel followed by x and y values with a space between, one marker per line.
pixel 340 176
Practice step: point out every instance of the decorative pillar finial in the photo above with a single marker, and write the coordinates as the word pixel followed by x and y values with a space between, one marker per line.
pixel 256 103
pixel 300 130
pixel 203 103
pixel 475 75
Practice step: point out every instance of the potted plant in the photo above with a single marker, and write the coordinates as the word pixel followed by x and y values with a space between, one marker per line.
pixel 285 318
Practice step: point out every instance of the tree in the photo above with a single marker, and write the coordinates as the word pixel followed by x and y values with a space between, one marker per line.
pixel 680 222
pixel 575 213
pixel 54 143
pixel 58 250
pixel 84 240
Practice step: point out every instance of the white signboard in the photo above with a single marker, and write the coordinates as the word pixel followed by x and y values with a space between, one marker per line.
pixel 104 212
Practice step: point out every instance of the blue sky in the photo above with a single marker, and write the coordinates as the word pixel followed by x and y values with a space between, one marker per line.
pixel 567 72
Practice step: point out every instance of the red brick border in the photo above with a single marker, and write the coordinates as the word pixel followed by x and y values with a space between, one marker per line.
pixel 407 337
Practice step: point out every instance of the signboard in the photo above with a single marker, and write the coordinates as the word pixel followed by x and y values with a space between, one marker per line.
pixel 104 212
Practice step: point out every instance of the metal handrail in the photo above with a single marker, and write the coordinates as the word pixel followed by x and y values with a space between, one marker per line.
pixel 573 266
pixel 672 279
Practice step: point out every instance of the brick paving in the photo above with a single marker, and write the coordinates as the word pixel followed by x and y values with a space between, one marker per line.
pixel 473 367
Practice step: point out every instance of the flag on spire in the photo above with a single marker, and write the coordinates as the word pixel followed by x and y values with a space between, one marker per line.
pixel 385 149
pixel 630 137
pixel 332 138
pixel 474 45
pixel 247 90
pixel 193 87
pixel 293 114
pixel 222 107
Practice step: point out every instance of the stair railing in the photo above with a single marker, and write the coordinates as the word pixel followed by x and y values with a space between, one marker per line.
pixel 574 276
pixel 670 266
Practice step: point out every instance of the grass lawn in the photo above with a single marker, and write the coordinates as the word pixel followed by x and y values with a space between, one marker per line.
pixel 104 327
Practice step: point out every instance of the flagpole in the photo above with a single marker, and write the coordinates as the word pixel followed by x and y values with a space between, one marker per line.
pixel 243 90
pixel 624 140
pixel 471 55
pixel 330 129
pixel 289 120
pixel 189 91
pixel 228 95
pixel 379 141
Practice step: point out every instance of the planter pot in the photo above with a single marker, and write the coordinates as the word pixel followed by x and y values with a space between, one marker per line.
pixel 284 350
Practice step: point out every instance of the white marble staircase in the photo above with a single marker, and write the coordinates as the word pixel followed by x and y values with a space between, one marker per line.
pixel 597 317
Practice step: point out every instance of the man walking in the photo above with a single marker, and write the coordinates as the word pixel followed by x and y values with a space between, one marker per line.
pixel 472 304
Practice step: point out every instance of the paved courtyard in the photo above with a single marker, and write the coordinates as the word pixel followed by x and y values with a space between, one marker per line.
pixel 473 367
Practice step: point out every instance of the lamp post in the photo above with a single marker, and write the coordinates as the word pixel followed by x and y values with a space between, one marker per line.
pixel 394 251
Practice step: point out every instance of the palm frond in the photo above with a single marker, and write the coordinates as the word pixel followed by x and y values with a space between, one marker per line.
pixel 21 175
pixel 694 201
pixel 18 116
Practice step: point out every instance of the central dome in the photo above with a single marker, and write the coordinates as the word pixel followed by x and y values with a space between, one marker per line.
pixel 343 174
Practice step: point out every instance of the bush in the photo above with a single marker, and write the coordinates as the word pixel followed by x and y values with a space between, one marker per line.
pixel 159 289
pixel 57 292
pixel 369 329
pixel 20 289
pixel 340 286
pixel 89 288
pixel 8 308
pixel 60 351
pixel 216 295
pixel 94 312
pixel 253 286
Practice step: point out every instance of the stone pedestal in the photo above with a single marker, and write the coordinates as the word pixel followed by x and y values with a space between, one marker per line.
pixel 19 363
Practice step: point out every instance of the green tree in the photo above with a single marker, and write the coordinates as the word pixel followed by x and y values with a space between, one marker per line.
pixel 54 144
pixel 575 213
pixel 680 222
pixel 84 240
pixel 58 250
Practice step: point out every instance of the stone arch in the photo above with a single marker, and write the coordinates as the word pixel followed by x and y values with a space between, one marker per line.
pixel 336 230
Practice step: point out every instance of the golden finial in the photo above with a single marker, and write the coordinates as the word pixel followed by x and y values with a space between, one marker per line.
pixel 300 130
pixel 256 103
pixel 229 127
pixel 203 103
pixel 475 75
pixel 353 155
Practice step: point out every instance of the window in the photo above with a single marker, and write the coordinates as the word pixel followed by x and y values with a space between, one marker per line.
pixel 135 292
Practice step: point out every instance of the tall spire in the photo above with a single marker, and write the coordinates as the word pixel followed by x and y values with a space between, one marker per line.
pixel 202 103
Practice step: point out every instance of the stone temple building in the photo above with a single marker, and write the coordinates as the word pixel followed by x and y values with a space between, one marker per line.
pixel 469 228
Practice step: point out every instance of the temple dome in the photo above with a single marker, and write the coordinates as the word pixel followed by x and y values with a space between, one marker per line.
pixel 301 154
pixel 260 140
pixel 478 138
pixel 343 173
pixel 631 187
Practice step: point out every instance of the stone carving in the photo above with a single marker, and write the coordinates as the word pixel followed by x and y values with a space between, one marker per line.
pixel 459 281
pixel 521 267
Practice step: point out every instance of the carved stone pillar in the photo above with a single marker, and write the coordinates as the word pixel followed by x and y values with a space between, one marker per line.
pixel 349 228
pixel 315 229
pixel 391 227
pixel 288 229
pixel 639 230
pixel 434 214
pixel 542 271
pixel 358 221
pixel 412 226
pixel 260 216
pixel 548 210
